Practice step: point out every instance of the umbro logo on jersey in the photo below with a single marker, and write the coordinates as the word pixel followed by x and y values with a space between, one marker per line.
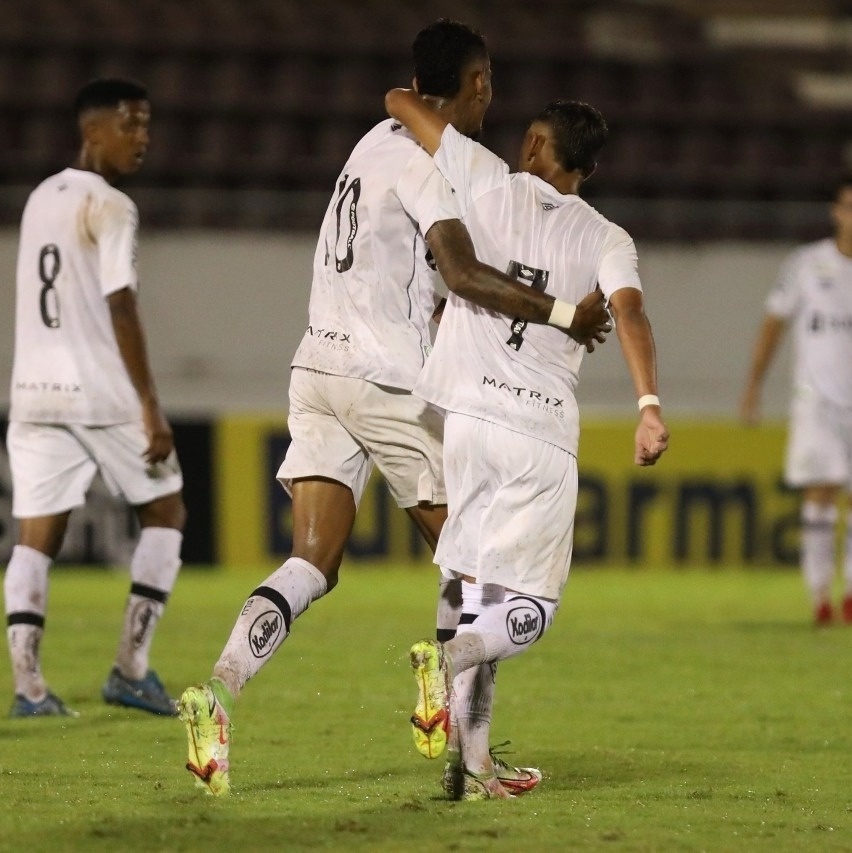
pixel 546 205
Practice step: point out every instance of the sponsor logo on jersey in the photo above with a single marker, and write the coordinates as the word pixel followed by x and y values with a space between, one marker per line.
pixel 523 624
pixel 52 387
pixel 546 205
pixel 264 632
pixel 526 394
pixel 820 322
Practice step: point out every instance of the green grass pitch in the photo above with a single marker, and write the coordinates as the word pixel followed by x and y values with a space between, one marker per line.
pixel 669 711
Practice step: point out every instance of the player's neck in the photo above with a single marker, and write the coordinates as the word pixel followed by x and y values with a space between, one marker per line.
pixel 88 161
pixel 844 244
pixel 565 183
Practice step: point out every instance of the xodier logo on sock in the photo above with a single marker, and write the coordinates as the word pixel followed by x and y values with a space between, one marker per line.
pixel 523 623
pixel 264 632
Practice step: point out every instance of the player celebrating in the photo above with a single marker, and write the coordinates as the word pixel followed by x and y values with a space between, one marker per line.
pixel 351 406
pixel 813 294
pixel 512 426
pixel 83 399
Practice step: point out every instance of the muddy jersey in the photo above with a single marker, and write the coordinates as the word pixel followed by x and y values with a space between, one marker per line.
pixel 373 288
pixel 814 294
pixel 77 246
pixel 519 375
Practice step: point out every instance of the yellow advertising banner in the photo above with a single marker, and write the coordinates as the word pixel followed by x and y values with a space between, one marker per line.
pixel 715 498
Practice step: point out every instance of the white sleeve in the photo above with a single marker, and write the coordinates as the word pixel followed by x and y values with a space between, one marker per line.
pixel 783 299
pixel 619 263
pixel 114 223
pixel 471 169
pixel 425 195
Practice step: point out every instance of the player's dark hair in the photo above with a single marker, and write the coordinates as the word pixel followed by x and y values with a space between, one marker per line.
pixel 441 52
pixel 579 133
pixel 107 92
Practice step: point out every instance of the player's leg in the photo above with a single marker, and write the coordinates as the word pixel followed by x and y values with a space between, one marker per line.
pixel 325 471
pixel 817 463
pixel 429 520
pixel 847 562
pixel 25 590
pixel 323 515
pixel 819 521
pixel 154 570
pixel 155 493
pixel 50 475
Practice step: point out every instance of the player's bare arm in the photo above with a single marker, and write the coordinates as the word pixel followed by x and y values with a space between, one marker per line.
pixel 637 345
pixel 768 339
pixel 406 106
pixel 485 286
pixel 130 337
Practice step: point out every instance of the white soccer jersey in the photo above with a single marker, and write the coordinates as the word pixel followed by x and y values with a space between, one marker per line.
pixel 373 288
pixel 77 245
pixel 814 293
pixel 487 365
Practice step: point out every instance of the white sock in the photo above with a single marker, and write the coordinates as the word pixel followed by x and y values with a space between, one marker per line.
pixel 265 620
pixel 449 608
pixel 847 558
pixel 817 557
pixel 473 697
pixel 501 632
pixel 153 572
pixel 25 595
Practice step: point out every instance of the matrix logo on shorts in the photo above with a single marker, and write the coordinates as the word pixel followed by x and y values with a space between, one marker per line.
pixel 264 632
pixel 522 624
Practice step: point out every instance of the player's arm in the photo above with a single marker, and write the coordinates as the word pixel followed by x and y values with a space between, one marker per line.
pixel 637 346
pixel 467 277
pixel 768 338
pixel 406 106
pixel 130 337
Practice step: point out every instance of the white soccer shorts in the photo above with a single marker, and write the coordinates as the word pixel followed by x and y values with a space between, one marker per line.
pixel 819 443
pixel 512 501
pixel 53 466
pixel 341 426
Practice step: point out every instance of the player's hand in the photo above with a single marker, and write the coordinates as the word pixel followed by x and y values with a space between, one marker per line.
pixel 160 438
pixel 592 322
pixel 652 437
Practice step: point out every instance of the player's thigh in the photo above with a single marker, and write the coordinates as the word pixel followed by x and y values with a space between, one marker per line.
pixel 320 446
pixel 516 497
pixel 51 469
pixel 119 451
pixel 819 445
pixel 403 435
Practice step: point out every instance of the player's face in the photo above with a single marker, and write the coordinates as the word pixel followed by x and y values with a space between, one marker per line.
pixel 479 101
pixel 123 136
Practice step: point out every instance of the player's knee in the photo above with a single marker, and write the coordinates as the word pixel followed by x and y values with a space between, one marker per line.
pixel 169 511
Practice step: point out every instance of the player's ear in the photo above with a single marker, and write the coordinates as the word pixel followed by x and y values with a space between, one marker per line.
pixel 587 173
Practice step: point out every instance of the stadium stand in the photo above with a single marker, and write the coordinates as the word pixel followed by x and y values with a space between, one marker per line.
pixel 718 111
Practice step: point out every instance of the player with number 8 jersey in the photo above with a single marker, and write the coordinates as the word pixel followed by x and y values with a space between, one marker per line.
pixel 77 246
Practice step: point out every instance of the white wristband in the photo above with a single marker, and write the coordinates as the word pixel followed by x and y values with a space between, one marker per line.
pixel 648 400
pixel 562 314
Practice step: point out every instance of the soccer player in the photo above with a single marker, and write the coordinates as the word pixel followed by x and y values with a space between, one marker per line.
pixel 813 294
pixel 372 296
pixel 512 424
pixel 83 399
